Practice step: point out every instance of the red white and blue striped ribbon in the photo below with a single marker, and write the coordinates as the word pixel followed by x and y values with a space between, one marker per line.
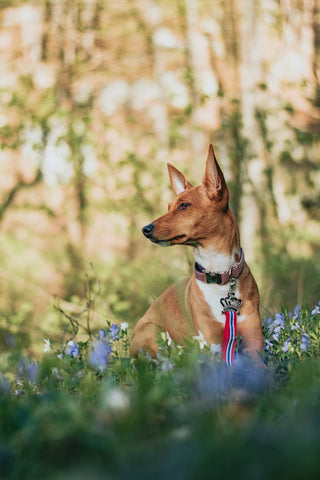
pixel 229 337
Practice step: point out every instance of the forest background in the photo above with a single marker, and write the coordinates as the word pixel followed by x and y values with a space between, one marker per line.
pixel 95 98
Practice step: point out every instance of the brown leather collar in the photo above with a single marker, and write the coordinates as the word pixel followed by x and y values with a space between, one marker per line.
pixel 220 278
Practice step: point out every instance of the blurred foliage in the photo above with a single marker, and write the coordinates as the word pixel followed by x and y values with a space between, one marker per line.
pixel 75 414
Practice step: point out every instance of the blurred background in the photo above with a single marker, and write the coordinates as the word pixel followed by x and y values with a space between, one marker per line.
pixel 96 96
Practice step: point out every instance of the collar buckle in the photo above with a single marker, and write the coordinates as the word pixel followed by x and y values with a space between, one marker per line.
pixel 213 278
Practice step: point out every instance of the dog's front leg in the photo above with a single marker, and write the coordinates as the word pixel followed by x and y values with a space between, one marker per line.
pixel 251 332
pixel 144 338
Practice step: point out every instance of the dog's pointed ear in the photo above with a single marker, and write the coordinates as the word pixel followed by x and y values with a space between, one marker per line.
pixel 213 179
pixel 178 182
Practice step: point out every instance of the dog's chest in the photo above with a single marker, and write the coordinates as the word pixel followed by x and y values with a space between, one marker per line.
pixel 212 294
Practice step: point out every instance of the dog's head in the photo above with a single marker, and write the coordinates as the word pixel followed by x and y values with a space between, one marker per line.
pixel 196 213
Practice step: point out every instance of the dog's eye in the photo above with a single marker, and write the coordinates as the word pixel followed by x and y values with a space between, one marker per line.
pixel 183 206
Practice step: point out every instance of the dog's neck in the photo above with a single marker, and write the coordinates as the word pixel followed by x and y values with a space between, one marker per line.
pixel 220 252
pixel 213 260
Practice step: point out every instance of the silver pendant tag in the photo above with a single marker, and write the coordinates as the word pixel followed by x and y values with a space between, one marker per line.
pixel 231 302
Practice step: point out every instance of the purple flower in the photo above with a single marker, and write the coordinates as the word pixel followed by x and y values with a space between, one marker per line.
pixel 295 326
pixel 304 342
pixel 32 372
pixel 277 324
pixel 113 331
pixel 285 346
pixel 99 356
pixel 216 381
pixel 102 333
pixel 268 321
pixel 213 382
pixel 276 337
pixel 73 349
pixel 279 319
pixel 268 345
pixel 28 370
pixel 316 309
pixel 246 374
pixel 164 364
pixel 296 312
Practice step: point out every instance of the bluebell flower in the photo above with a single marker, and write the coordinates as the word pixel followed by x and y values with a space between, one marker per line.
pixel 249 375
pixel 216 382
pixel 164 364
pixel 276 337
pixel 277 324
pixel 99 356
pixel 296 312
pixel 113 331
pixel 268 344
pixel 213 382
pixel 102 333
pixel 316 309
pixel 271 327
pixel 304 342
pixel 285 346
pixel 73 349
pixel 295 326
pixel 149 357
pixel 279 319
pixel 268 321
pixel 27 370
pixel 32 372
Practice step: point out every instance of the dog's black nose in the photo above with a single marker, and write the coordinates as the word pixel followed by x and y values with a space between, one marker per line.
pixel 147 230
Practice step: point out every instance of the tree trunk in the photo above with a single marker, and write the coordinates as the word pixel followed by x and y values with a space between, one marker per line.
pixel 250 77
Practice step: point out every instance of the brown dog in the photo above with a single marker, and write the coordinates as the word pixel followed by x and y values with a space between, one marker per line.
pixel 201 217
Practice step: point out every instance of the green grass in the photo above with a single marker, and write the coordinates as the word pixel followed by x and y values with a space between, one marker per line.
pixel 83 412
